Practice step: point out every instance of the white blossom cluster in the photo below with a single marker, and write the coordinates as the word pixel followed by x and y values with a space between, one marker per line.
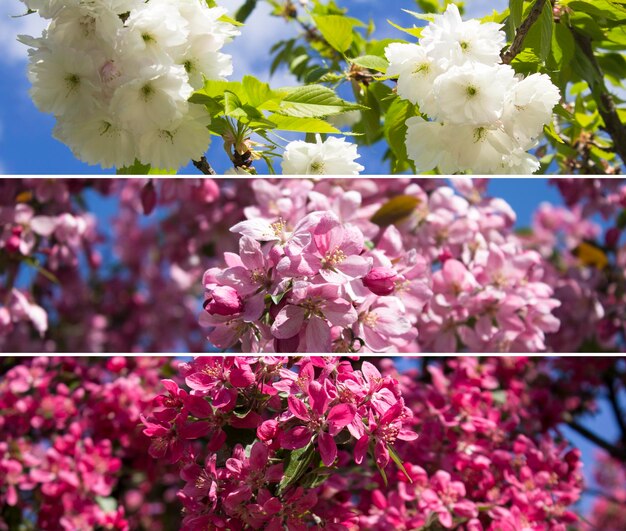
pixel 117 75
pixel 481 116
pixel 333 156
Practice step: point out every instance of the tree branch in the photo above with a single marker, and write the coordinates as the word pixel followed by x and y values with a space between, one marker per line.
pixel 204 166
pixel 612 450
pixel 617 412
pixel 516 46
pixel 606 106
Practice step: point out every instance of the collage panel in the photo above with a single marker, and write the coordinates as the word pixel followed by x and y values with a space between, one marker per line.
pixel 312 87
pixel 304 265
pixel 294 443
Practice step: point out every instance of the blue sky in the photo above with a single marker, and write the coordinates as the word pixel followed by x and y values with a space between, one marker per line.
pixel 26 143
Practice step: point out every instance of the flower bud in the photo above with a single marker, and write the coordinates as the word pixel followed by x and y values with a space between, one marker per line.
pixel 381 280
pixel 224 301
pixel 148 198
pixel 611 238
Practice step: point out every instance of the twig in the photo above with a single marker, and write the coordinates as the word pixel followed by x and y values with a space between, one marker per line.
pixel 605 495
pixel 606 106
pixel 516 46
pixel 613 451
pixel 617 412
pixel 204 166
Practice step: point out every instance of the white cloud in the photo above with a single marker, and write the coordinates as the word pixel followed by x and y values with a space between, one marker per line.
pixel 10 28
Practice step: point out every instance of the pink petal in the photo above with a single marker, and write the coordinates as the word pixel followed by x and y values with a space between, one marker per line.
pixel 295 438
pixel 340 313
pixel 298 408
pixel 360 449
pixel 258 456
pixel 340 416
pixel 318 336
pixel 328 234
pixel 370 373
pixel 288 322
pixel 318 397
pixel 327 447
pixel 194 430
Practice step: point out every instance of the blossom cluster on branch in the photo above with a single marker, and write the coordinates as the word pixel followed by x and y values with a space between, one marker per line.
pixel 118 74
pixel 72 455
pixel 483 117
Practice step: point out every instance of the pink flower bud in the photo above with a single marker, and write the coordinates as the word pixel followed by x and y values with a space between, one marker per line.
pixel 381 280
pixel 12 244
pixel 224 301
pixel 611 238
pixel 148 198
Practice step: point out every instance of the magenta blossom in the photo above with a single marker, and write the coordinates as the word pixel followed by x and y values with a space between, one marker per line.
pixel 319 421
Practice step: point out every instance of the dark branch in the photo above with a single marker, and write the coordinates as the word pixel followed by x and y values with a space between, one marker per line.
pixel 204 166
pixel 617 412
pixel 518 41
pixel 606 106
pixel 612 450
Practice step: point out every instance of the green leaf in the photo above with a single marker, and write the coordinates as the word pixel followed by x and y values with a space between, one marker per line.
pixel 621 220
pixel 551 132
pixel 428 17
pixel 373 62
pixel 598 9
pixel 562 45
pixel 396 459
pixel 414 31
pixel 107 504
pixel 336 29
pixel 230 20
pixel 314 101
pixel 137 168
pixel 395 210
pixel 382 473
pixel 296 464
pixel 244 11
pixel 301 125
pixel 215 89
pixel 516 8
pixel 233 106
pixel 546 25
pixel 34 263
pixel 395 128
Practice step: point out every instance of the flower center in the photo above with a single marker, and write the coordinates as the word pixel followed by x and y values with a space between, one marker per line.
pixel 146 92
pixel 334 257
pixel 471 91
pixel 278 227
pixel 147 38
pixel 72 81
pixel 422 68
pixel 389 433
pixel 317 167
pixel 480 133
pixel 465 46
pixel 370 319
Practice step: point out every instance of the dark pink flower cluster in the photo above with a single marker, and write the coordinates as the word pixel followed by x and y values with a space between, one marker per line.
pixel 476 465
pixel 315 443
pixel 72 455
pixel 275 435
